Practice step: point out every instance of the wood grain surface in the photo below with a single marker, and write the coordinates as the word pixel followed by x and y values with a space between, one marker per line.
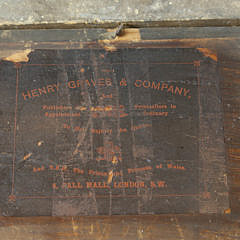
pixel 130 227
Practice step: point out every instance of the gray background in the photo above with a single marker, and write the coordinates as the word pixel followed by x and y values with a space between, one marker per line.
pixel 22 12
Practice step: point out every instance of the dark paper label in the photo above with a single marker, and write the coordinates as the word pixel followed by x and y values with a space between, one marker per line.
pixel 99 132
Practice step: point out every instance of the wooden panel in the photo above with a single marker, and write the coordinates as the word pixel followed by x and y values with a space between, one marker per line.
pixel 119 227
pixel 230 92
pixel 37 141
pixel 149 227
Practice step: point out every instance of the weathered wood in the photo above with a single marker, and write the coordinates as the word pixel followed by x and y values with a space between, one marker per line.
pixel 117 227
pixel 113 129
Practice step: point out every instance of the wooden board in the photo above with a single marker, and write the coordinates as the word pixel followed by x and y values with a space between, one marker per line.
pixel 111 127
pixel 167 227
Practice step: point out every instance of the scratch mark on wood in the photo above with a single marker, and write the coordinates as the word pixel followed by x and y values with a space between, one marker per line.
pixel 110 177
pixel 27 156
pixel 74 228
pixel 179 229
pixel 140 234
pixel 127 35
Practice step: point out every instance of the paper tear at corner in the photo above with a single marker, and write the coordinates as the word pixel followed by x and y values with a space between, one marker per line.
pixel 208 53
pixel 16 55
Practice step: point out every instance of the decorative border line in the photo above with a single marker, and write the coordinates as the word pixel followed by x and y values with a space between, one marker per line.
pixel 13 197
pixel 73 64
pixel 106 196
